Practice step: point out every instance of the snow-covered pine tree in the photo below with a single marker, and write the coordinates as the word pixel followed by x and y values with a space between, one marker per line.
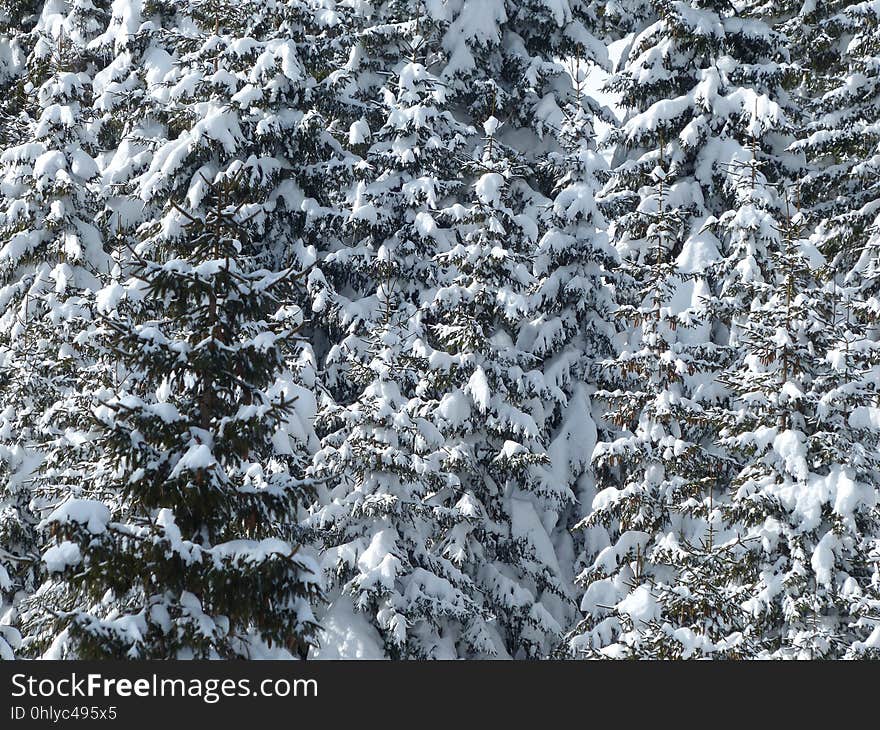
pixel 391 491
pixel 845 149
pixel 16 522
pixel 750 238
pixel 49 260
pixel 492 405
pixel 696 81
pixel 704 87
pixel 802 504
pixel 533 57
pixel 209 169
pixel 573 300
pixel 196 551
pixel 811 620
pixel 648 593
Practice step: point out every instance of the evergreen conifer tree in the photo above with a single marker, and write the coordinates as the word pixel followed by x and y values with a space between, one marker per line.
pixel 196 551
pixel 647 593
pixel 493 403
pixel 388 505
pixel 51 255
pixel 198 269
pixel 798 422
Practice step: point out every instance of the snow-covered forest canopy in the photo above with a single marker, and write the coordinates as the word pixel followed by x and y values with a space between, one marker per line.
pixel 434 329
